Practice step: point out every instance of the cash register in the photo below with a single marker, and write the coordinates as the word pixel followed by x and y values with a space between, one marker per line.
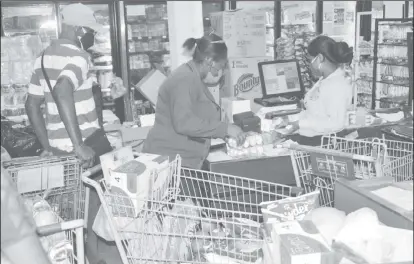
pixel 281 83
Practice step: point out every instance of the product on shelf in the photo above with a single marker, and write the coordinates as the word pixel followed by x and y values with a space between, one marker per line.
pixel 391 72
pixel 294 46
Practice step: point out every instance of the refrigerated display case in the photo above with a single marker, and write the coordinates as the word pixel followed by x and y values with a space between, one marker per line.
pixel 29 18
pixel 269 8
pixel 27 28
pixel 148 44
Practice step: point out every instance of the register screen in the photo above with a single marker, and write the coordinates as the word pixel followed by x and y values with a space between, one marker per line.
pixel 281 77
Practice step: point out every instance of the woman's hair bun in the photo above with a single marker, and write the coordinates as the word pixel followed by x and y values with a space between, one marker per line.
pixel 189 47
pixel 344 53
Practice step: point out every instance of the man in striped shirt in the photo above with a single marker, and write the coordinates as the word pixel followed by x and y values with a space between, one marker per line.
pixel 71 115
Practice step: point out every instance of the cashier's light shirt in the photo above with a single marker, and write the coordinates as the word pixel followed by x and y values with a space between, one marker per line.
pixel 326 105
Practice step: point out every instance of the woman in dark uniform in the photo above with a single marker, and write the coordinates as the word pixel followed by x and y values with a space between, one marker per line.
pixel 187 117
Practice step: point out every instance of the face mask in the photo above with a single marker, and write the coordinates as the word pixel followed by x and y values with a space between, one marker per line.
pixel 87 40
pixel 319 66
pixel 210 79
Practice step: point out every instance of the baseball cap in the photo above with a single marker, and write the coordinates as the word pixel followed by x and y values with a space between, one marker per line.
pixel 80 15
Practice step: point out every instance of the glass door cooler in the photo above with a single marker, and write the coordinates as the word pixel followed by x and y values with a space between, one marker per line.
pixel 148 47
pixel 27 28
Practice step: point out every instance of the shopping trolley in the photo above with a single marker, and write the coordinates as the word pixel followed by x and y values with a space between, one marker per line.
pixel 319 167
pixel 197 217
pixel 67 199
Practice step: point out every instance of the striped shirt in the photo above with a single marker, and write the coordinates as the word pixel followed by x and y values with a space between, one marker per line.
pixel 64 59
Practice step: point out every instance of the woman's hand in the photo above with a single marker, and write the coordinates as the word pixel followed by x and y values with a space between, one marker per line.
pixel 293 126
pixel 237 133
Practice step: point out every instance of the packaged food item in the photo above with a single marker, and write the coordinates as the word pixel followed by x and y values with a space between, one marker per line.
pixel 136 179
pixel 290 209
pixel 300 242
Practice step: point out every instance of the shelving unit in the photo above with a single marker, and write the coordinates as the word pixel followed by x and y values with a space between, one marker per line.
pixel 148 41
pixel 391 87
pixel 364 62
pixel 410 66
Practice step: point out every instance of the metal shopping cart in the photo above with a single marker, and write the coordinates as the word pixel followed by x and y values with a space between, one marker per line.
pixel 58 180
pixel 319 167
pixel 197 217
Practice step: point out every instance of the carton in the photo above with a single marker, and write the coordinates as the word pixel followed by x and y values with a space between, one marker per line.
pixel 141 179
pixel 231 106
pixel 244 32
pixel 243 78
pixel 150 85
pixel 301 243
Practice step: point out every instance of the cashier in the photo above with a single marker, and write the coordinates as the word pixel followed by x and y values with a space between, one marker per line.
pixel 326 104
pixel 187 116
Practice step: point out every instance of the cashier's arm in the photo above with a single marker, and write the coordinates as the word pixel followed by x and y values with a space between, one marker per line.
pixel 185 122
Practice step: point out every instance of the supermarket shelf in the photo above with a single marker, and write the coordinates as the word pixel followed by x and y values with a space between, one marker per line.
pixel 394 64
pixel 394 83
pixel 152 52
pixel 393 44
pixel 148 38
pixel 365 93
pixel 384 82
pixel 109 104
pixel 102 68
pixel 144 21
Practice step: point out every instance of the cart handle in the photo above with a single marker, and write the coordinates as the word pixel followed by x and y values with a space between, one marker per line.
pixel 35 159
pixel 59 227
pixel 320 150
pixel 91 171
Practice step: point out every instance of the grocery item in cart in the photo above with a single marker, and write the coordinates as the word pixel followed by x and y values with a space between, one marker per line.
pixel 56 245
pixel 365 238
pixel 328 220
pixel 136 179
pixel 301 242
pixel 289 209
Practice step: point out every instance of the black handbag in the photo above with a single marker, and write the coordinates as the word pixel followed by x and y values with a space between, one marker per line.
pixel 98 140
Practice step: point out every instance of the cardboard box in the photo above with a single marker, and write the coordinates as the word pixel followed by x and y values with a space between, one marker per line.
pixel 301 243
pixel 136 179
pixel 231 106
pixel 243 78
pixel 150 84
pixel 244 32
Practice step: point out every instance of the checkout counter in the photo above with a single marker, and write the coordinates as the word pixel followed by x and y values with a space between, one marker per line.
pixel 279 168
pixel 276 166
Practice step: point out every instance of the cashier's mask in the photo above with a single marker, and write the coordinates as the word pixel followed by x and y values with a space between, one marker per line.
pixel 316 70
pixel 215 73
pixel 87 38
